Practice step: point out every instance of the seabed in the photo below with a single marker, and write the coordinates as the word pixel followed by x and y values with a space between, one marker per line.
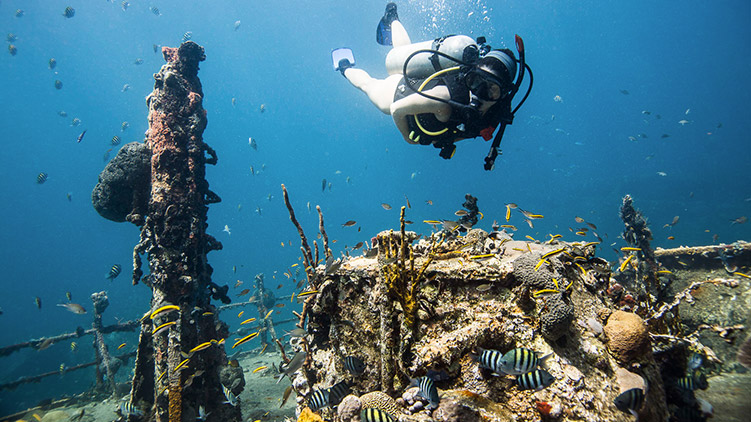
pixel 476 302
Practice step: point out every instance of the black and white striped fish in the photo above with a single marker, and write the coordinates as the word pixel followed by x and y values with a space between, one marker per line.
pixel 370 414
pixel 519 361
pixel 693 382
pixel 354 365
pixel 114 272
pixel 319 400
pixel 428 391
pixel 41 178
pixel 231 398
pixel 535 380
pixel 490 359
pixel 127 408
pixel 337 392
pixel 630 401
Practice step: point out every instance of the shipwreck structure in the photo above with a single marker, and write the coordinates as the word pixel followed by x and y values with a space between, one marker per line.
pixel 413 306
pixel 160 186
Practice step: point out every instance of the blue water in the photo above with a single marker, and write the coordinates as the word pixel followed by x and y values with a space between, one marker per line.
pixel 686 60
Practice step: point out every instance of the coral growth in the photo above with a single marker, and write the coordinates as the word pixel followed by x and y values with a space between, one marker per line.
pixel 382 401
pixel 307 415
pixel 556 312
pixel 628 338
pixel 123 186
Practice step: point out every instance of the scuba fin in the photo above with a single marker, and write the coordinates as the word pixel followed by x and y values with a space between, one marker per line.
pixel 342 59
pixel 383 32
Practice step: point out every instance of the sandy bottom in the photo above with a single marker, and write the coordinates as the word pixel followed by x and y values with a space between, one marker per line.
pixel 728 394
pixel 260 400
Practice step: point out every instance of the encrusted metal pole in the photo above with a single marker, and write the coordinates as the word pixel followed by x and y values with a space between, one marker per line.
pixel 161 186
pixel 100 304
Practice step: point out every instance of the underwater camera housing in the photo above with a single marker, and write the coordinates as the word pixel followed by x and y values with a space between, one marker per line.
pixel 471 54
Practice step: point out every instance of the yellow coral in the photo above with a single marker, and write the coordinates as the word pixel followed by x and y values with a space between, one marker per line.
pixel 307 415
pixel 402 280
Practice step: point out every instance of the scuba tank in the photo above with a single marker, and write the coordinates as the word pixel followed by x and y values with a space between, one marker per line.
pixel 431 66
pixel 459 47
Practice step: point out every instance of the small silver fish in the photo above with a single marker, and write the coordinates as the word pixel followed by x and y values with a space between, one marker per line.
pixel 296 333
pixel 73 307
pixel 201 413
pixel 293 365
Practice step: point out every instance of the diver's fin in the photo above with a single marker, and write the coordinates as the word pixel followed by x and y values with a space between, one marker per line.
pixel 342 59
pixel 383 32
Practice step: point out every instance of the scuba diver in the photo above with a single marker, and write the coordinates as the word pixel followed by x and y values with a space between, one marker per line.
pixel 442 91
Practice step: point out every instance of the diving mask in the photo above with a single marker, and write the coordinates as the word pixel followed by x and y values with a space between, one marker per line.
pixel 484 84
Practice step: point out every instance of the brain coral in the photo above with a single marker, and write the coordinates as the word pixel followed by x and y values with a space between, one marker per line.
pixel 628 338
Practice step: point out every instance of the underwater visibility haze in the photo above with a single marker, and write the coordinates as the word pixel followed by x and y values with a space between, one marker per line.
pixel 647 99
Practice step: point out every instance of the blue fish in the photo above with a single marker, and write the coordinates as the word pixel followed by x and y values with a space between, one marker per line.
pixel 695 361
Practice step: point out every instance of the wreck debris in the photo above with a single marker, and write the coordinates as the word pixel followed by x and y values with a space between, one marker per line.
pixel 325 237
pixel 80 332
pixel 102 354
pixel 638 235
pixel 173 234
pixel 466 292
pixel 36 378
pixel 307 255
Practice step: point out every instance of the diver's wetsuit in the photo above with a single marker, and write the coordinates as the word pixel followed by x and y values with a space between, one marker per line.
pixel 459 126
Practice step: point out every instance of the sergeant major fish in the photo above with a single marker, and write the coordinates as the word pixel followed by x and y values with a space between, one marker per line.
pixel 371 414
pixel 231 398
pixel 114 272
pixel 535 380
pixel 319 400
pixel 354 365
pixel 337 392
pixel 428 391
pixel 515 362
pixel 630 401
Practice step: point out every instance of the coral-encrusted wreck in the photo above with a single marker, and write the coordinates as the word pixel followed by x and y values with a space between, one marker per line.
pixel 413 306
pixel 161 187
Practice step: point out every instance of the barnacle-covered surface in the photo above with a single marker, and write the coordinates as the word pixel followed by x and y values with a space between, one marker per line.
pixel 487 291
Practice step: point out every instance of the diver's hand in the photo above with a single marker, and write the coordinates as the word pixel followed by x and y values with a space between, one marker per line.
pixel 400 119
